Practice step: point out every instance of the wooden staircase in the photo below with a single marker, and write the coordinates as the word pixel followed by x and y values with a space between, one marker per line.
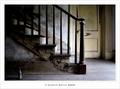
pixel 24 17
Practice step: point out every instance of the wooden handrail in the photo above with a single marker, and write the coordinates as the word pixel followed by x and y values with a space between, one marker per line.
pixel 81 20
pixel 69 14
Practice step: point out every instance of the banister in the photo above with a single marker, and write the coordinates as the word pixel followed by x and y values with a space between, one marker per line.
pixel 79 19
pixel 81 67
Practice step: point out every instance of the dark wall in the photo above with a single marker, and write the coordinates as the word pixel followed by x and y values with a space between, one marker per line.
pixel 14 51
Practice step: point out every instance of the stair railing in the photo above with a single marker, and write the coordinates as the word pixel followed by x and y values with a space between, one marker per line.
pixel 76 19
pixel 81 22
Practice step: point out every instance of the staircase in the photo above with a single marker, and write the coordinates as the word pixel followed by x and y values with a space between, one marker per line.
pixel 24 25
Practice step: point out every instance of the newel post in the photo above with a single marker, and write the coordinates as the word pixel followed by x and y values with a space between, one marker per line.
pixel 81 67
pixel 81 41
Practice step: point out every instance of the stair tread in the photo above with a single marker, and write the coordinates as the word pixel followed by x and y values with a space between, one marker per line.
pixel 27 36
pixel 45 45
pixel 72 64
pixel 34 14
pixel 28 18
pixel 21 33
pixel 61 55
pixel 24 26
pixel 34 36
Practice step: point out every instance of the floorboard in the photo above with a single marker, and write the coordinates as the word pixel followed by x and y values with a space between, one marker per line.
pixel 97 69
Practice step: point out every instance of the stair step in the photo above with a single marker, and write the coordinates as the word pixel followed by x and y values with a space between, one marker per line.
pixel 28 20
pixel 45 45
pixel 41 67
pixel 72 64
pixel 22 27
pixel 33 36
pixel 36 15
pixel 22 34
pixel 60 55
pixel 19 29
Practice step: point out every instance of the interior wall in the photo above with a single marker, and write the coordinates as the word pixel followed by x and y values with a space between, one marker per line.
pixel 91 27
pixel 100 27
pixel 91 30
pixel 15 52
pixel 107 22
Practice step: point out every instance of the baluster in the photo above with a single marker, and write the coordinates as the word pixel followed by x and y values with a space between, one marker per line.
pixel 76 35
pixel 18 21
pixel 60 32
pixel 75 41
pixel 24 19
pixel 68 43
pixel 39 19
pixel 46 24
pixel 53 25
pixel 32 18
pixel 81 42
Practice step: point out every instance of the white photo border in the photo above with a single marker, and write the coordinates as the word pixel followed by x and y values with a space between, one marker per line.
pixel 43 84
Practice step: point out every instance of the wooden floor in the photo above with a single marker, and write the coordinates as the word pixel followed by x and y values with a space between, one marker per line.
pixel 96 70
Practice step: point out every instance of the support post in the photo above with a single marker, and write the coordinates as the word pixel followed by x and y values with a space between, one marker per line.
pixel 68 36
pixel 53 25
pixel 75 41
pixel 46 24
pixel 81 42
pixel 39 20
pixel 61 51
pixel 32 18
pixel 81 67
